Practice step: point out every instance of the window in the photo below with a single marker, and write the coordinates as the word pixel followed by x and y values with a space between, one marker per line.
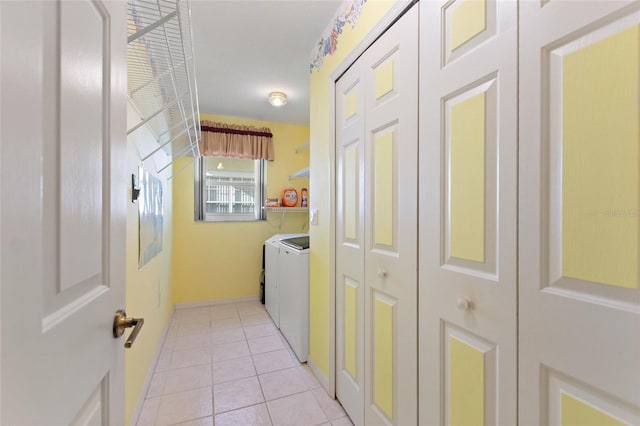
pixel 229 189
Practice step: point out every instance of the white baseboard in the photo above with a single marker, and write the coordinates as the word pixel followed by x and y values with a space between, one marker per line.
pixel 213 302
pixel 152 368
pixel 324 380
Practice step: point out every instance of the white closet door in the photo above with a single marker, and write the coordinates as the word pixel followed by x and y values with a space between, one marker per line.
pixel 468 203
pixel 350 242
pixel 391 241
pixel 376 249
pixel 579 208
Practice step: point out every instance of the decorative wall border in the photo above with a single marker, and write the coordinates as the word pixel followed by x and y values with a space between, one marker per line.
pixel 328 43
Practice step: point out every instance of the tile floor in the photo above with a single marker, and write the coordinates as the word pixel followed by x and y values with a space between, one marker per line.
pixel 229 365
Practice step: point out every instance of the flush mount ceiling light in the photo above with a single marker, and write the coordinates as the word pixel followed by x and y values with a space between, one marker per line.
pixel 277 99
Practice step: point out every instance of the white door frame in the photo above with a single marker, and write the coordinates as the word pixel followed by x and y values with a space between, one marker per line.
pixel 380 27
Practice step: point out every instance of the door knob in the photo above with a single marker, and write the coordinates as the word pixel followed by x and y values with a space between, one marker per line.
pixel 464 304
pixel 120 322
pixel 382 273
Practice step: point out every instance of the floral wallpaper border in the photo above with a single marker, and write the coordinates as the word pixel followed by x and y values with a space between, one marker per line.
pixel 328 45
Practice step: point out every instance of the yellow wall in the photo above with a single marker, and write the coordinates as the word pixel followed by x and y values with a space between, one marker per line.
pixel 220 260
pixel 148 290
pixel 320 183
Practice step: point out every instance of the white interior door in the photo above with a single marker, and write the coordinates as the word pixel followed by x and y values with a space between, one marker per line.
pixel 468 206
pixel 350 214
pixel 63 211
pixel 579 207
pixel 376 253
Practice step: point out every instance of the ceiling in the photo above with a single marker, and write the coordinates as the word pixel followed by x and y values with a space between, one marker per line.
pixel 246 49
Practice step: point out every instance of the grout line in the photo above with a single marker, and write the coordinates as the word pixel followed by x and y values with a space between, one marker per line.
pixel 191 420
pixel 185 390
pixel 264 397
pixel 297 365
pixel 246 406
pixel 321 407
pixel 269 413
pixel 213 400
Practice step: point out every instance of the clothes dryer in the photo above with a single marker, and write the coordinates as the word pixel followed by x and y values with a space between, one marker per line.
pixel 271 253
pixel 293 285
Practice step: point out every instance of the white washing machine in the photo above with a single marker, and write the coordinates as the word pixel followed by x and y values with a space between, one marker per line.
pixel 293 284
pixel 271 253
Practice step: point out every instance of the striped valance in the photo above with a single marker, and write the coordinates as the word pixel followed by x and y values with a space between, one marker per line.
pixel 236 141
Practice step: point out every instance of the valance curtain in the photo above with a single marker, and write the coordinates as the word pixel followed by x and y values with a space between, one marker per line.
pixel 236 141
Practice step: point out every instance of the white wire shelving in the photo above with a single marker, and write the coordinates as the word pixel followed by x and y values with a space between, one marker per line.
pixel 161 81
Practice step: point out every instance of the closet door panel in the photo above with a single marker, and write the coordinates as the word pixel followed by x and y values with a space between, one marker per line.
pixel 391 85
pixel 579 198
pixel 350 292
pixel 468 183
pixel 469 385
pixel 384 189
pixel 469 175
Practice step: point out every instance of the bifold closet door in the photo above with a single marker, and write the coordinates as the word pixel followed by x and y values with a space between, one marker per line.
pixel 376 265
pixel 468 206
pixel 579 213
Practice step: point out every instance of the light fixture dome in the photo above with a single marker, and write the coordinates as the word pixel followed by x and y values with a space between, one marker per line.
pixel 277 99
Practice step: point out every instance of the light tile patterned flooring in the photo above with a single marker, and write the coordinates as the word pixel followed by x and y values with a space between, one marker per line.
pixel 229 365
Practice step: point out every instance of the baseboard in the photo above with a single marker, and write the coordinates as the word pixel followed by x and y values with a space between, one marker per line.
pixel 324 380
pixel 213 302
pixel 152 368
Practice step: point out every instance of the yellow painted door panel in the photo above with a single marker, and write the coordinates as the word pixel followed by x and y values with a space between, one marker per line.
pixel 578 413
pixel 468 19
pixel 466 384
pixel 600 153
pixel 467 145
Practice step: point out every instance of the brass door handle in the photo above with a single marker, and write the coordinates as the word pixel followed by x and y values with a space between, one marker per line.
pixel 120 322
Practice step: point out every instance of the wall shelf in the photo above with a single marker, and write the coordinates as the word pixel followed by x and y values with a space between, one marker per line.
pixel 302 147
pixel 287 209
pixel 300 173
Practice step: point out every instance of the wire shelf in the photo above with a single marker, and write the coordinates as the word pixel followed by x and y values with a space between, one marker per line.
pixel 161 81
